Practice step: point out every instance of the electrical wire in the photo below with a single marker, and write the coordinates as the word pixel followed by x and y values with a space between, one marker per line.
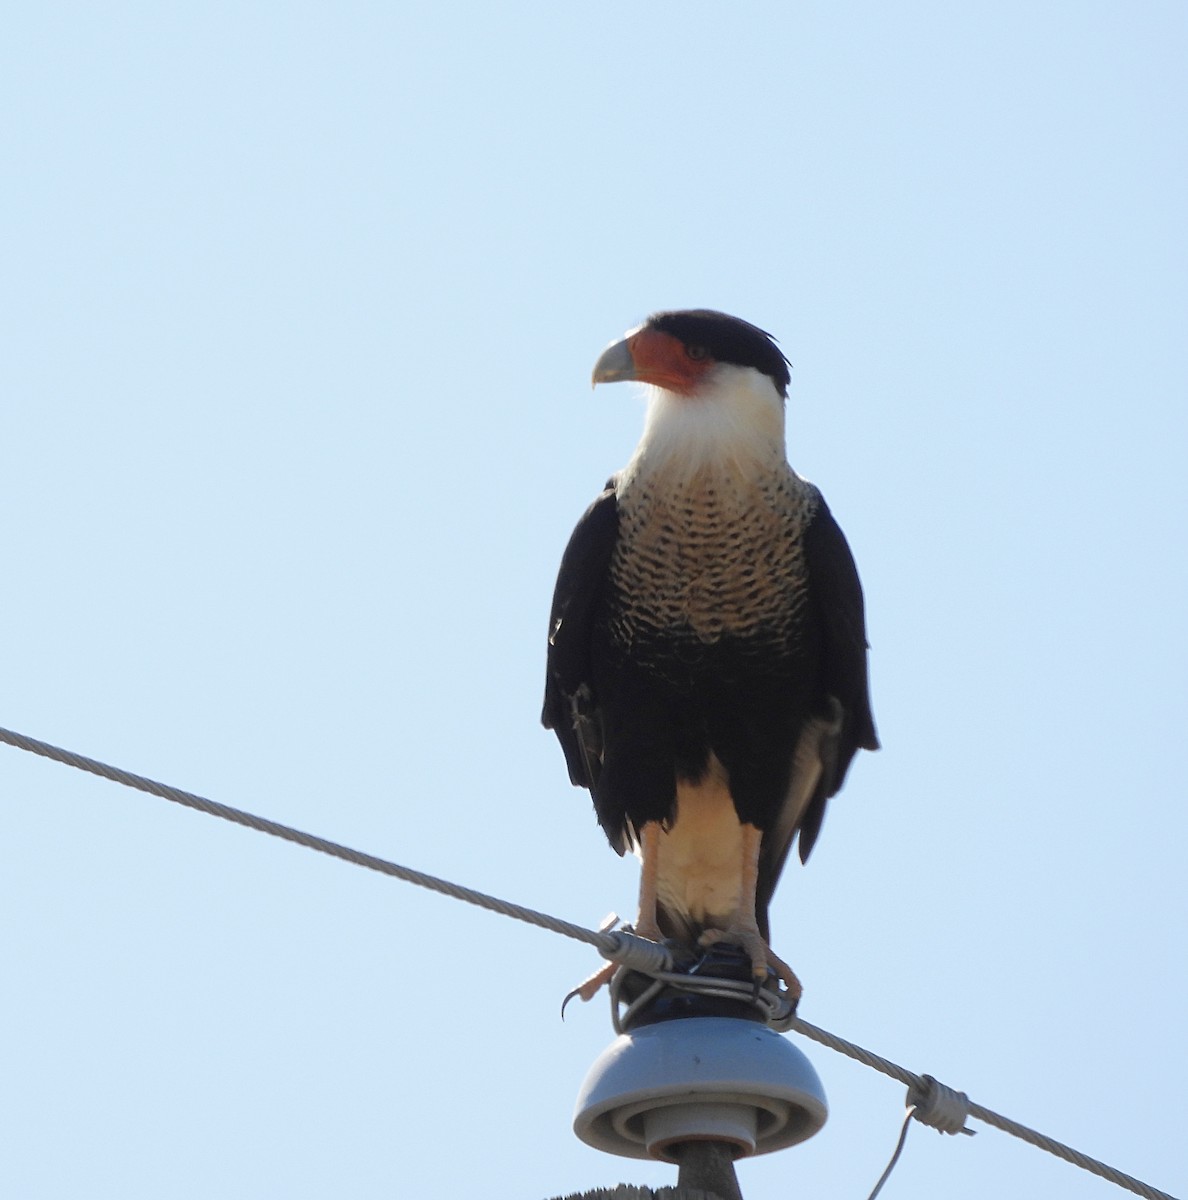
pixel 903 1131
pixel 928 1101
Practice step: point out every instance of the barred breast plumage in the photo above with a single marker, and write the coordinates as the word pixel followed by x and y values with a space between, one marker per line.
pixel 711 555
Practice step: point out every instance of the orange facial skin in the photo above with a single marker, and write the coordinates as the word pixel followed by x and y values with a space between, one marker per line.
pixel 665 361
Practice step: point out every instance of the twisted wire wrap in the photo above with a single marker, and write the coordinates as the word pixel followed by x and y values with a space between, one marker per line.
pixel 937 1106
pixel 637 954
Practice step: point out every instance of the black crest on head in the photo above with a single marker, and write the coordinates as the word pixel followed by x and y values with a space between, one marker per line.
pixel 727 339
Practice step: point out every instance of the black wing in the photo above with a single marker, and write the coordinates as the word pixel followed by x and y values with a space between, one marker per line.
pixel 570 708
pixel 836 600
pixel 842 722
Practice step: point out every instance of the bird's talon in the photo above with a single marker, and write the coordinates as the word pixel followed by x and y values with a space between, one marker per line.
pixel 764 961
pixel 589 988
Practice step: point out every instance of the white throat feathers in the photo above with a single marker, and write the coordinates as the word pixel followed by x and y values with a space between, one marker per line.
pixel 733 422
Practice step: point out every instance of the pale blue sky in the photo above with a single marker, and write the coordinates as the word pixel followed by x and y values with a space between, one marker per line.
pixel 301 303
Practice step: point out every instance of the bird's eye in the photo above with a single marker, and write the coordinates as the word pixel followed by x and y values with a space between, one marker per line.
pixel 697 353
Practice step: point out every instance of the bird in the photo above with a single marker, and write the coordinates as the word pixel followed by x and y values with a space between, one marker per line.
pixel 706 671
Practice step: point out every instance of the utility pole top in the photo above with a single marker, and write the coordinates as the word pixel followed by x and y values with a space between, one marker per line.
pixel 626 1192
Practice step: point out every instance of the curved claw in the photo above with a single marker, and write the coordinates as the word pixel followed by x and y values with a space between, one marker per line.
pixel 759 952
pixel 589 988
pixel 568 997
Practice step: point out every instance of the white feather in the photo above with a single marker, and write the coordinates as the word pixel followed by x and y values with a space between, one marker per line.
pixel 735 419
pixel 701 854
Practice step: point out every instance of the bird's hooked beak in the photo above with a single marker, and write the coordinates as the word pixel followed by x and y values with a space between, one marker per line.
pixel 616 363
pixel 650 356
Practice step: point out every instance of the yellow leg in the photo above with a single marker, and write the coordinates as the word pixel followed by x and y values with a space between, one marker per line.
pixel 646 924
pixel 743 928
